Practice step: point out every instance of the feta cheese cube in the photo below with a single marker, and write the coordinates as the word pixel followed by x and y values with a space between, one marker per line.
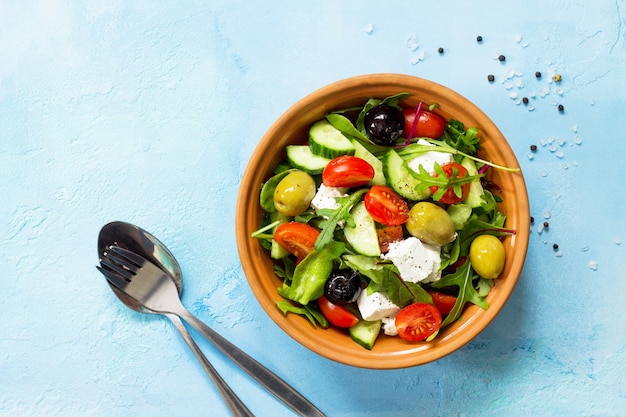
pixel 428 159
pixel 375 306
pixel 325 197
pixel 416 261
pixel 389 326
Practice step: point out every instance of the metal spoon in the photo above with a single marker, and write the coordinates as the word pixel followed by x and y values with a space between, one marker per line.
pixel 145 245
pixel 141 242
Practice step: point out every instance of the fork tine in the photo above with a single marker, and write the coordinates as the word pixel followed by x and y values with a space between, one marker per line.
pixel 115 279
pixel 129 256
pixel 117 266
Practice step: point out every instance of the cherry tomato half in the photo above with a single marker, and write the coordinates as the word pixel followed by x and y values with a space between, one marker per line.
pixel 443 302
pixel 450 197
pixel 298 238
pixel 418 321
pixel 386 206
pixel 347 171
pixel 429 124
pixel 387 235
pixel 337 315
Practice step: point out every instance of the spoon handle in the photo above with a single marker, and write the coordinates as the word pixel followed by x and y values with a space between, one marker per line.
pixel 234 403
pixel 270 381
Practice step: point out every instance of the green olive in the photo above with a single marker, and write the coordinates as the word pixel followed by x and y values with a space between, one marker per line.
pixel 487 256
pixel 294 193
pixel 431 224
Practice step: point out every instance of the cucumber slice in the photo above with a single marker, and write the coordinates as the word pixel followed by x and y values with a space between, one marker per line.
pixel 476 190
pixel 327 141
pixel 277 251
pixel 365 333
pixel 401 178
pixel 362 152
pixel 362 237
pixel 301 157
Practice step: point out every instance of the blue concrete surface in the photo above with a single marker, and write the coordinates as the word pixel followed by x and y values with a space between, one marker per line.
pixel 147 111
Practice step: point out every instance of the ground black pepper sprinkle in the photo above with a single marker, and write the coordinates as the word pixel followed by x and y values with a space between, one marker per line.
pixel 440 50
pixel 538 74
pixel 546 224
pixel 561 108
pixel 533 148
pixel 501 58
pixel 479 38
pixel 491 78
pixel 525 100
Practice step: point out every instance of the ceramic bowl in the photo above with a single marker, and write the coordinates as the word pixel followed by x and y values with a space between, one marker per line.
pixel 291 128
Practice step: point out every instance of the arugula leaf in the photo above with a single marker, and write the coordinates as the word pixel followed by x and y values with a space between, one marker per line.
pixel 463 278
pixel 335 216
pixel 442 181
pixel 466 141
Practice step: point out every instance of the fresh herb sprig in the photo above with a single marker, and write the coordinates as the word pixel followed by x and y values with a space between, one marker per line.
pixel 442 181
pixel 336 215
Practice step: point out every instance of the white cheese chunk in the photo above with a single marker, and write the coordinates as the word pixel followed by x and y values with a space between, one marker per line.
pixel 416 261
pixel 325 197
pixel 428 159
pixel 375 306
pixel 389 326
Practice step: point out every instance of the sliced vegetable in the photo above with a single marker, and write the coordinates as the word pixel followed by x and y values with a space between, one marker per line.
pixel 386 206
pixel 444 302
pixel 328 142
pixel 347 171
pixel 365 333
pixel 300 156
pixel 298 238
pixel 429 124
pixel 335 314
pixel 418 321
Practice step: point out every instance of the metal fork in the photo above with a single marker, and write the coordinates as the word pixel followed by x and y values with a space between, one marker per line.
pixel 156 291
pixel 234 403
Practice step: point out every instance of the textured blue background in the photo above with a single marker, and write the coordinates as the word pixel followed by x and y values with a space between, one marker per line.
pixel 147 111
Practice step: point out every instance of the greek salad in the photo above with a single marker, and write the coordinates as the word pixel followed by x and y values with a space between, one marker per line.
pixel 384 222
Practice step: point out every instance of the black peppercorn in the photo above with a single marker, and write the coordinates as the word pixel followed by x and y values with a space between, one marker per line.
pixel 561 108
pixel 555 246
pixel 532 219
pixel 525 100
pixel 491 78
pixel 479 38
pixel 533 148
pixel 501 58
pixel 440 50
pixel 538 74
pixel 546 224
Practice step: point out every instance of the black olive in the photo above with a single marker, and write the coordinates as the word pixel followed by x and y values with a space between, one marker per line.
pixel 343 287
pixel 384 125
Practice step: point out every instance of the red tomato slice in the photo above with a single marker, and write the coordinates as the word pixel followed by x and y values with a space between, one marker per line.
pixel 450 197
pixel 429 124
pixel 418 321
pixel 443 302
pixel 387 235
pixel 298 238
pixel 337 315
pixel 386 206
pixel 347 171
